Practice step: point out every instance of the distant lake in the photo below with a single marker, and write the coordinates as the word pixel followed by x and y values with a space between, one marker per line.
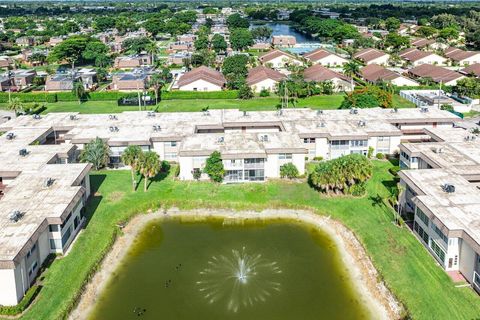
pixel 287 29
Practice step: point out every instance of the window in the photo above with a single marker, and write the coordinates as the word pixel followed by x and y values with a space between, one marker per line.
pixel 438 251
pixel 66 236
pixel 421 232
pixel 76 222
pixel 171 144
pixel 339 144
pixel 55 244
pixel 358 143
pixel 66 220
pixel 414 160
pixel 440 233
pixel 404 155
pixel 283 156
pixel 54 228
pixel 422 216
pixel 380 139
pixel 32 268
pixel 170 155
pixel 29 253
pixel 308 140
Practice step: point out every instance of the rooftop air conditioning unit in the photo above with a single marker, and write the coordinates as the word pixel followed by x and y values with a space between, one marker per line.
pixel 448 188
pixel 221 140
pixel 423 109
pixel 361 123
pixel 23 152
pixel 245 113
pixel 48 182
pixel 319 112
pixel 264 138
pixel 150 114
pixel 36 116
pixel 15 215
pixel 157 128
pixel 353 111
pixel 10 136
pixel 112 117
pixel 321 125
pixel 73 117
pixel 206 113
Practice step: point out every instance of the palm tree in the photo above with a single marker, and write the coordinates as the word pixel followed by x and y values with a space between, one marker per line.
pixel 149 166
pixel 78 90
pixel 152 49
pixel 97 152
pixel 351 69
pixel 130 157
pixel 157 82
pixel 16 105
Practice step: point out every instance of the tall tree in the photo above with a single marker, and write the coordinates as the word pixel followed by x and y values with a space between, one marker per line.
pixel 130 157
pixel 149 166
pixel 15 105
pixel 241 39
pixel 152 50
pixel 78 90
pixel 157 82
pixel 218 43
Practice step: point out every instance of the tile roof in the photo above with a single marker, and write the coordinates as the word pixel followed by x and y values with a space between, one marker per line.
pixel 319 73
pixel 202 73
pixel 261 73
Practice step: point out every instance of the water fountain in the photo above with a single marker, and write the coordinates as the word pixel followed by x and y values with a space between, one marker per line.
pixel 239 279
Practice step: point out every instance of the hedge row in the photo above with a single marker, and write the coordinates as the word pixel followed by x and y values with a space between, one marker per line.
pixel 24 303
pixel 227 94
pixel 422 87
pixel 65 96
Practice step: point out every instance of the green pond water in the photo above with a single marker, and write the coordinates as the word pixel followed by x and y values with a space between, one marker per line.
pixel 211 270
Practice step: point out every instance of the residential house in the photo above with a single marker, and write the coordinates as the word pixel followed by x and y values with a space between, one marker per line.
pixel 202 79
pixel 325 58
pixel 436 73
pixel 25 41
pixel 263 78
pixel 6 62
pixel 132 61
pixel 64 81
pixel 284 41
pixel 473 69
pixel 462 57
pixel 131 81
pixel 319 73
pixel 180 46
pixel 279 59
pixel 22 78
pixel 422 43
pixel 374 73
pixel 417 57
pixel 370 55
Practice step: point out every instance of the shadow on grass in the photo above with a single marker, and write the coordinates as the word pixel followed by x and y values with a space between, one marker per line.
pixel 95 198
pixel 159 177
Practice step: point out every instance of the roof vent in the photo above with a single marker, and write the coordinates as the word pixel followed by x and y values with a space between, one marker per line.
pixel 114 129
pixel 10 136
pixel 470 138
pixel 36 116
pixel 112 117
pixel 245 114
pixel 150 114
pixel 362 123
pixel 423 109
pixel 221 140
pixel 157 128
pixel 23 152
pixel 73 117
pixel 321 125
pixel 264 138
pixel 438 149
pixel 353 111
pixel 394 110
pixel 48 182
pixel 319 112
pixel 15 216
pixel 279 112
pixel 448 188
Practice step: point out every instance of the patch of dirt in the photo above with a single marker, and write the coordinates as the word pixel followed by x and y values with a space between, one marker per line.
pixel 116 196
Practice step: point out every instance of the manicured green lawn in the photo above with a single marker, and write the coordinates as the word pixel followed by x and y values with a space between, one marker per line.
pixel 403 262
pixel 268 103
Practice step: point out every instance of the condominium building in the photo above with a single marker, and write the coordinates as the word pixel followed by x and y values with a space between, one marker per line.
pixel 442 192
pixel 42 196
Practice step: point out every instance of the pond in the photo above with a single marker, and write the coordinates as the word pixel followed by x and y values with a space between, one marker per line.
pixel 212 270
pixel 287 29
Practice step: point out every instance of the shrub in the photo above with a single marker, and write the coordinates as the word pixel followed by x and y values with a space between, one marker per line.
pixel 245 92
pixel 24 303
pixel 319 158
pixel 177 171
pixel 214 167
pixel 197 174
pixel 164 166
pixel 357 190
pixel 370 152
pixel 264 93
pixel 288 170
pixel 380 156
pixel 227 94
pixel 394 170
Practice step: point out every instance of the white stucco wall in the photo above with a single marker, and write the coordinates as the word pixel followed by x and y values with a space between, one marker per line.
pixel 467 260
pixel 331 61
pixel 267 84
pixel 8 294
pixel 200 85
pixel 404 81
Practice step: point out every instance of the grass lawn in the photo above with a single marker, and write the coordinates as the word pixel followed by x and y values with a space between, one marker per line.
pixel 268 103
pixel 403 262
